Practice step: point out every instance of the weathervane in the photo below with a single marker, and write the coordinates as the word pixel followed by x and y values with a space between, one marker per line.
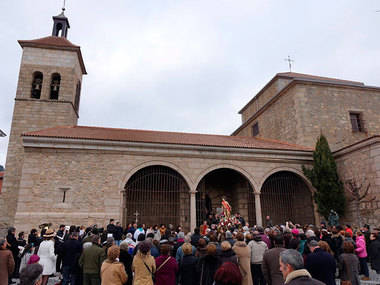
pixel 64 6
pixel 289 60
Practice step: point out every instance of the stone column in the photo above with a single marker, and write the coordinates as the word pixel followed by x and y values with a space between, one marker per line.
pixel 259 219
pixel 193 210
pixel 123 206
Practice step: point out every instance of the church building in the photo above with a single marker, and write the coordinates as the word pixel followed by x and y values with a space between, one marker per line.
pixel 58 172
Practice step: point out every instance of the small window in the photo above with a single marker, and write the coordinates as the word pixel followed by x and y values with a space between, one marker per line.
pixel 77 96
pixel 255 129
pixel 36 85
pixel 64 191
pixel 54 86
pixel 356 122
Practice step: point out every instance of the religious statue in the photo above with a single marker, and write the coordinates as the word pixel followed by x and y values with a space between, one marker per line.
pixel 333 218
pixel 226 208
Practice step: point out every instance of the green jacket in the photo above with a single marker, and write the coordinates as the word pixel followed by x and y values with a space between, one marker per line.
pixel 91 259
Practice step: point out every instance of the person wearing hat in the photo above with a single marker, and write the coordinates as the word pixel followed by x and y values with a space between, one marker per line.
pixel 47 256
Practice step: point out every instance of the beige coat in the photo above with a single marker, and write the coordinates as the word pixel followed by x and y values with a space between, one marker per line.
pixel 113 273
pixel 7 265
pixel 243 253
pixel 142 275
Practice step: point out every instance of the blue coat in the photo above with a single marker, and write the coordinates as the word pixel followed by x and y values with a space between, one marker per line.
pixel 322 266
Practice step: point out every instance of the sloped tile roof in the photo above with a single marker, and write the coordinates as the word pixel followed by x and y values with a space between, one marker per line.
pixel 296 75
pixel 49 41
pixel 146 136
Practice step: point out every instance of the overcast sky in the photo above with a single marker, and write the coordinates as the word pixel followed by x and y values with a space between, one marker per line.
pixel 190 65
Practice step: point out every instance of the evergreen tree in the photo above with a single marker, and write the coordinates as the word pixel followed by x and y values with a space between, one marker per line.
pixel 324 177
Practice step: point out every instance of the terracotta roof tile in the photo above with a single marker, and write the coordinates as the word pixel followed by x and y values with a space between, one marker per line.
pixel 319 78
pixel 146 136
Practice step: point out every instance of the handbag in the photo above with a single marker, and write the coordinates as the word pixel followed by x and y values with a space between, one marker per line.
pixel 151 273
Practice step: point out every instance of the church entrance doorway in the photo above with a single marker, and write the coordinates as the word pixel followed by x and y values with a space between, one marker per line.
pixel 157 194
pixel 286 197
pixel 229 184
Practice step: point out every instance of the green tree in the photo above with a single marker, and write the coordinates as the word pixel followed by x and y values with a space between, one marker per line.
pixel 323 175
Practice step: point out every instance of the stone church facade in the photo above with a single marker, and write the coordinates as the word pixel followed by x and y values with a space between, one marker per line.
pixel 59 172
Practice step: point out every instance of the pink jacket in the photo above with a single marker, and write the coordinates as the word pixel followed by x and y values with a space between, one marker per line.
pixel 361 250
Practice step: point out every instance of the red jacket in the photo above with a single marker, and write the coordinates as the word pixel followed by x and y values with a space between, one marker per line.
pixel 166 275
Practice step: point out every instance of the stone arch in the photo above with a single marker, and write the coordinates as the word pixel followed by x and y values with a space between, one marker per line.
pixel 285 168
pixel 233 183
pixel 285 193
pixel 242 171
pixel 171 165
pixel 158 194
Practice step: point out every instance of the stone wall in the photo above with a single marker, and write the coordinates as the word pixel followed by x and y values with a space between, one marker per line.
pixel 263 97
pixel 326 109
pixel 306 110
pixel 362 162
pixel 278 121
pixel 35 114
pixel 96 179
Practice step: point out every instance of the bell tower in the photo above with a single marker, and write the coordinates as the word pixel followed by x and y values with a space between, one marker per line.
pixel 48 95
pixel 61 25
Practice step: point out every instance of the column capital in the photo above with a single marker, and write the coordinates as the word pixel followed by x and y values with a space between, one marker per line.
pixel 257 193
pixel 193 192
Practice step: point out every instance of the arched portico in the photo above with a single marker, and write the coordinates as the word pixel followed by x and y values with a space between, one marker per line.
pixel 157 194
pixel 286 194
pixel 230 182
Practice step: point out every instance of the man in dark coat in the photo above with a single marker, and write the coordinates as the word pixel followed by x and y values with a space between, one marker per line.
pixel 59 239
pixel 118 234
pixel 320 264
pixel 195 237
pixel 188 266
pixel 271 262
pixel 21 239
pixel 71 251
pixel 33 238
pixel 241 219
pixel 374 252
pixel 208 265
pixel 13 247
pixel 111 228
pixel 91 261
pixel 291 266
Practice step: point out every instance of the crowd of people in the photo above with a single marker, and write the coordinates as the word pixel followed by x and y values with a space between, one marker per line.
pixel 165 255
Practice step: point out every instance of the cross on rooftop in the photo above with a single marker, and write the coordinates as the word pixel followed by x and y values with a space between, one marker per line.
pixel 289 60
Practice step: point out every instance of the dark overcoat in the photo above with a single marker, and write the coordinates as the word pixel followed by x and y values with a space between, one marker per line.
pixel 322 266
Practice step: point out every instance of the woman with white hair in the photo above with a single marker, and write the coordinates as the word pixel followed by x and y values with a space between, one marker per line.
pixel 31 274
